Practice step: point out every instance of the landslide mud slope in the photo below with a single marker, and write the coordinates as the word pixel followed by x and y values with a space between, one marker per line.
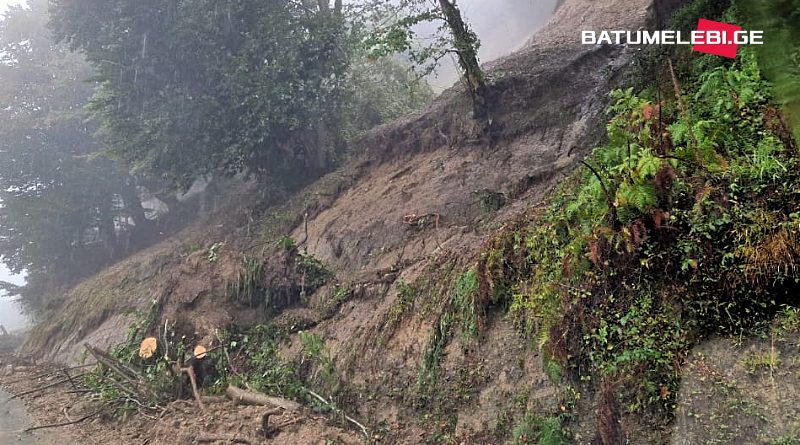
pixel 423 193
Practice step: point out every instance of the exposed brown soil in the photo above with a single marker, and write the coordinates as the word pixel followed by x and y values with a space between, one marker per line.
pixel 742 390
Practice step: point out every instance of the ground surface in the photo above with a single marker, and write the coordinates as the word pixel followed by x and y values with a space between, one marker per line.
pixel 742 391
pixel 181 423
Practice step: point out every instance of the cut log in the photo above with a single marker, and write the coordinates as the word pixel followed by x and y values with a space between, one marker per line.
pixel 239 395
pixel 148 347
pixel 200 352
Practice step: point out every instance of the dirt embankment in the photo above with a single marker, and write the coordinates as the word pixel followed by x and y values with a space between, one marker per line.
pixel 742 391
pixel 547 111
pixel 424 194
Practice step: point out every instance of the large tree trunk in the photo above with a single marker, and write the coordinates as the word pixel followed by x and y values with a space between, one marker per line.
pixel 467 48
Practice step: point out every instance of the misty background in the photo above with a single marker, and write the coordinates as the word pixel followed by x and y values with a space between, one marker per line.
pixel 502 26
pixel 10 315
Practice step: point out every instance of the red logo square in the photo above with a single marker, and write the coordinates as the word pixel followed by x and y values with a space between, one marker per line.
pixel 727 46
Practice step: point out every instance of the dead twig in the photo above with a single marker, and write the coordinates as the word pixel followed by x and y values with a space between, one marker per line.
pixel 71 422
pixel 193 380
pixel 42 388
pixel 66 414
pixel 79 391
pixel 49 373
pixel 71 382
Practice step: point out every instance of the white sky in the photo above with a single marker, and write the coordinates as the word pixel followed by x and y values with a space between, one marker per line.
pixel 502 26
pixel 10 315
pixel 5 3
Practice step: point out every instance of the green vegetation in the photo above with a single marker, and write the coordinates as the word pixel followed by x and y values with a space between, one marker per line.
pixel 192 89
pixel 249 358
pixel 395 33
pixel 535 430
pixel 257 286
pixel 252 357
pixel 465 292
pixel 685 223
pixel 793 439
pixel 65 214
pixel 406 298
pixel 314 352
pixel 428 377
pixel 780 55
pixel 247 288
pixel 313 273
pixel 286 243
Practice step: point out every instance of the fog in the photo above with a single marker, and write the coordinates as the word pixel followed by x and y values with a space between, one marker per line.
pixel 502 26
pixel 6 3
pixel 10 315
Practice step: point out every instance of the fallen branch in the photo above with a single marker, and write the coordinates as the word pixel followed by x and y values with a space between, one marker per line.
pixel 71 382
pixel 57 425
pixel 42 388
pixel 131 382
pixel 193 380
pixel 111 363
pixel 238 395
pixel 49 373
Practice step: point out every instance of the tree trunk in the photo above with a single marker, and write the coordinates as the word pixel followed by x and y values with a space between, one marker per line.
pixel 467 49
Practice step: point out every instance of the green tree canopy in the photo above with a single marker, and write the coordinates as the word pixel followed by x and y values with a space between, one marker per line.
pixel 63 213
pixel 197 87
